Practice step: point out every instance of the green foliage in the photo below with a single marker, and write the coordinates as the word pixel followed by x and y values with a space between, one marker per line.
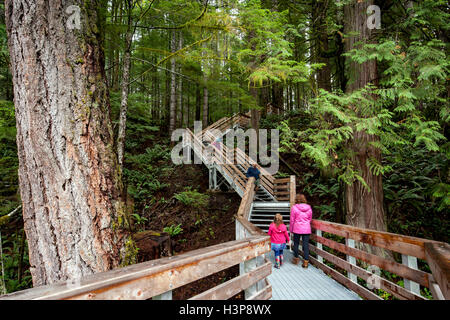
pixel 192 198
pixel 139 220
pixel 143 170
pixel 9 162
pixel 10 258
pixel 416 193
pixel 173 230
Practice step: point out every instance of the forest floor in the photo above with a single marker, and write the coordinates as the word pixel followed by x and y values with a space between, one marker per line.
pixel 201 226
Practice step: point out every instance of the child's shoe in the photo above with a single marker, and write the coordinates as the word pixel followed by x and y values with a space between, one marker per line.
pixel 277 263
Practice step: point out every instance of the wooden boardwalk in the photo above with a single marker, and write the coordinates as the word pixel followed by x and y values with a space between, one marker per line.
pixel 292 282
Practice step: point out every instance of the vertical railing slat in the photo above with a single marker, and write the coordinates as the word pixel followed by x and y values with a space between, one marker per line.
pixel 410 262
pixel 163 296
pixel 351 243
pixel 319 245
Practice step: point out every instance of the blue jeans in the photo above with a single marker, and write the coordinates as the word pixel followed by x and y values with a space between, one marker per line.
pixel 305 245
pixel 278 248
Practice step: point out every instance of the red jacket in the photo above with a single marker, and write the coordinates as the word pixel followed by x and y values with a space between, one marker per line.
pixel 278 235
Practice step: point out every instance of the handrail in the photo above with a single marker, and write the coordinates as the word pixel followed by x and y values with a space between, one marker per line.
pixel 438 258
pixel 244 228
pixel 152 278
pixel 267 180
pixel 411 247
pixel 247 199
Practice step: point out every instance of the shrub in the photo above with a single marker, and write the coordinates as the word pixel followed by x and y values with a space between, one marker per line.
pixel 192 198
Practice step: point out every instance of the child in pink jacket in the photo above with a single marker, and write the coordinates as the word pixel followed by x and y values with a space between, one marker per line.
pixel 300 226
pixel 278 238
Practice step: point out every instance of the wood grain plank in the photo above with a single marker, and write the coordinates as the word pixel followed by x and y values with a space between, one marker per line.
pixel 234 286
pixel 385 264
pixel 438 258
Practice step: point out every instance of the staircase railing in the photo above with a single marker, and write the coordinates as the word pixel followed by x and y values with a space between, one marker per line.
pixel 218 159
pixel 342 254
pixel 274 186
pixel 245 228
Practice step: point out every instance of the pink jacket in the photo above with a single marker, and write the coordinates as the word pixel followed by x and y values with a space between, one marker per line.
pixel 301 215
pixel 278 235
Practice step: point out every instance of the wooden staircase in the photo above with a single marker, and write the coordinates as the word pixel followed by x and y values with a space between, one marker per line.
pixel 262 213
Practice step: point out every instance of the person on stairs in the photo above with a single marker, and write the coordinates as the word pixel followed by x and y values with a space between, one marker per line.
pixel 278 238
pixel 300 226
pixel 254 172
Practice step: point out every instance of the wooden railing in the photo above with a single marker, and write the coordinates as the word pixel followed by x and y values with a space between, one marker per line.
pixel 281 189
pixel 244 228
pixel 228 158
pixel 438 258
pixel 410 248
pixel 226 123
pixel 233 174
pixel 158 278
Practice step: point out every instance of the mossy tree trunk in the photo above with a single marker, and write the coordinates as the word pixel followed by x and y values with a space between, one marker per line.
pixel 364 206
pixel 69 177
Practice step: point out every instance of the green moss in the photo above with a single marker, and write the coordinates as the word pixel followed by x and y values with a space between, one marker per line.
pixel 4 220
pixel 130 253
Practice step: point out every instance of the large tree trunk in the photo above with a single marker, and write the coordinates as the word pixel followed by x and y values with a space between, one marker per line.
pixel 364 208
pixel 70 182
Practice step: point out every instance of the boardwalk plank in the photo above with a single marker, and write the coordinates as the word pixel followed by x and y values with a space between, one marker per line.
pixel 292 282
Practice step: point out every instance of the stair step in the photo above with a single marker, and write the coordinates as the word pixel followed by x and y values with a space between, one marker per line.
pixel 273 209
pixel 262 219
pixel 269 213
pixel 277 204
pixel 259 216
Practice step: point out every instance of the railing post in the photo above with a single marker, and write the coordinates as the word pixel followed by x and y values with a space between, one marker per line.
pixel 292 191
pixel 319 245
pixel 214 177
pixel 240 234
pixel 163 296
pixel 410 262
pixel 250 265
pixel 211 178
pixel 351 243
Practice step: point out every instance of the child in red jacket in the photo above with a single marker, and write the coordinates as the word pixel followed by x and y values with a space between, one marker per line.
pixel 278 238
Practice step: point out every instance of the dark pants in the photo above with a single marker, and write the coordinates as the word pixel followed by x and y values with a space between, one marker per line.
pixel 305 245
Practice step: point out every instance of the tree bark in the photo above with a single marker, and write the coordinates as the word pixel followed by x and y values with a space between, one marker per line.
pixel 364 208
pixel 181 114
pixel 319 28
pixel 198 98
pixel 70 182
pixel 205 105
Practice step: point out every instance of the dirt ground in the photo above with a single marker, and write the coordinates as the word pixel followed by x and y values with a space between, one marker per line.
pixel 202 227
